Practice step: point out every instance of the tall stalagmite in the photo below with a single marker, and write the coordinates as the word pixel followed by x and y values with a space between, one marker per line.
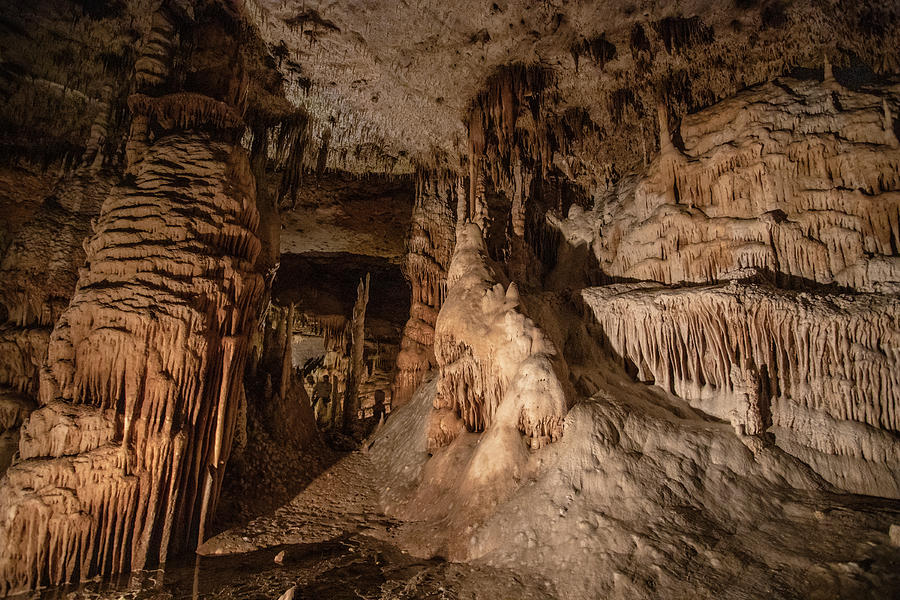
pixel 496 365
pixel 123 461
pixel 430 246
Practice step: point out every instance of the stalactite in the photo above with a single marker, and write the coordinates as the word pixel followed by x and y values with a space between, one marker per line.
pixel 831 355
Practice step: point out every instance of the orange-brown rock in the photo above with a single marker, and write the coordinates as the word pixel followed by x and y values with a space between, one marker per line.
pixel 124 460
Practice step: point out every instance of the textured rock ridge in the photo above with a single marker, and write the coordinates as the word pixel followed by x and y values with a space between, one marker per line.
pixel 822 370
pixel 429 249
pixel 796 178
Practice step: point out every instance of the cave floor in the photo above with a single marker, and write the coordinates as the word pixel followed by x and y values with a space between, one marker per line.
pixel 335 545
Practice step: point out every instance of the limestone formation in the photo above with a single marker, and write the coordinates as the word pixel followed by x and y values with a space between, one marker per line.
pixel 135 340
pixel 793 178
pixel 429 249
pixel 495 364
pixel 123 461
pixel 546 300
pixel 824 367
pixel 356 372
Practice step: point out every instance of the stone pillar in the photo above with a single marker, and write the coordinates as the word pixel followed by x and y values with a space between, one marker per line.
pixel 142 384
pixel 430 246
pixel 357 350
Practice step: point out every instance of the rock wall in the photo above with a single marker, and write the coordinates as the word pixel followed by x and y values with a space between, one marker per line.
pixel 794 185
pixel 797 178
pixel 430 247
pixel 39 270
pixel 823 370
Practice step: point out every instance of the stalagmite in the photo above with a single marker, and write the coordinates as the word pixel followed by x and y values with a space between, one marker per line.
pixel 142 380
pixel 357 347
pixel 496 366
pixel 429 246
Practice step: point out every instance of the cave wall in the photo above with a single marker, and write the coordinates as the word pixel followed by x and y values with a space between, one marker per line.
pixel 39 270
pixel 789 191
pixel 796 178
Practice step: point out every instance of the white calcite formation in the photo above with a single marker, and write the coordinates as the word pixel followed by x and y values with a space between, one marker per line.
pixel 124 460
pixel 796 178
pixel 496 368
pixel 824 370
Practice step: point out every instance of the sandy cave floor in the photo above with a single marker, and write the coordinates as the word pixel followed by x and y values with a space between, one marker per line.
pixel 336 545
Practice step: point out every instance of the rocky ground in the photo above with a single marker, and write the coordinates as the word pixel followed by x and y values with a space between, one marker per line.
pixel 330 541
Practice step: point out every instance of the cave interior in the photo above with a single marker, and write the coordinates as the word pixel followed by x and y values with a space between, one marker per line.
pixel 515 299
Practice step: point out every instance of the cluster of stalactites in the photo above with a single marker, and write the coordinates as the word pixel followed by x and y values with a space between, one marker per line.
pixel 818 202
pixel 292 139
pixel 184 111
pixel 507 126
pixel 334 329
pixel 835 356
pixel 468 386
pixel 429 249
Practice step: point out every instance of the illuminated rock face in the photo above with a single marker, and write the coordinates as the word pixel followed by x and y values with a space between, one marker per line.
pixel 800 179
pixel 495 368
pixel 792 184
pixel 822 371
pixel 123 461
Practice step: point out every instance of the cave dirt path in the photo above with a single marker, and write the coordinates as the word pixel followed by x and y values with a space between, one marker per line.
pixel 341 501
pixel 329 542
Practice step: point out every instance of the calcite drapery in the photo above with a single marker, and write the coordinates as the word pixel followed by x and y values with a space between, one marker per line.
pixel 495 364
pixel 151 350
pixel 828 365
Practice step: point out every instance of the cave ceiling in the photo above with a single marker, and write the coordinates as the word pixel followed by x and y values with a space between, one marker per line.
pixel 388 86
pixel 392 82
